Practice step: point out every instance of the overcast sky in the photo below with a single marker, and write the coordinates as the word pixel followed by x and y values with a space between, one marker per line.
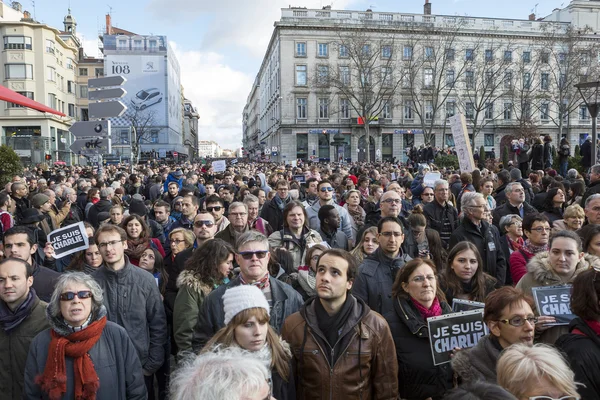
pixel 220 44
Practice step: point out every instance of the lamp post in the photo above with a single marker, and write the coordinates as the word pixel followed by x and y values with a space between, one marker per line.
pixel 589 91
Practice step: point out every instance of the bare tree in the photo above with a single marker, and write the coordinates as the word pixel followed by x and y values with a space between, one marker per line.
pixel 141 122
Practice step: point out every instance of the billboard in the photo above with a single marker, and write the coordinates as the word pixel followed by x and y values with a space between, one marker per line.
pixel 175 107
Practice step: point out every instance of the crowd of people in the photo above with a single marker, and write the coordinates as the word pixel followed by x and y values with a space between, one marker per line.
pixel 312 281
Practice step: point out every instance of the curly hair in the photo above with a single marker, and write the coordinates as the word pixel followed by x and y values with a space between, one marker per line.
pixel 205 260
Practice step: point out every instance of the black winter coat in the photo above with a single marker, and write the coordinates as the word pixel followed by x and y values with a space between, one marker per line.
pixel 273 215
pixel 593 188
pixel 586 154
pixel 487 241
pixel 499 195
pixel 418 378
pixel 507 209
pixel 583 353
pixel 537 157
pixel 100 206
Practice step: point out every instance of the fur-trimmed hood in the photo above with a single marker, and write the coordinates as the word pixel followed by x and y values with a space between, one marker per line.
pixel 188 278
pixel 477 363
pixel 539 268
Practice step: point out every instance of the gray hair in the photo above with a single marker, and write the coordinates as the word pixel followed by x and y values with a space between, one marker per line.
pixel 591 198
pixel 507 220
pixel 251 236
pixel 509 187
pixel 468 200
pixel 227 373
pixel 67 191
pixel 237 204
pixel 440 182
pixel 75 277
pixel 250 198
pixel 595 169
pixel 572 173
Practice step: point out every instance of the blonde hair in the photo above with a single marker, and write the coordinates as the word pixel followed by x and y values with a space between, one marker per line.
pixel 520 366
pixel 188 236
pixel 358 252
pixel 574 210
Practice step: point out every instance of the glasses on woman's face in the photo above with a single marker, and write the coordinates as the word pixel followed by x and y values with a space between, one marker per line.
pixel 519 321
pixel 177 241
pixel 82 294
pixel 421 278
pixel 554 398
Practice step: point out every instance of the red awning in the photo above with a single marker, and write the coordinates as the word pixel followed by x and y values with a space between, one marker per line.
pixel 13 97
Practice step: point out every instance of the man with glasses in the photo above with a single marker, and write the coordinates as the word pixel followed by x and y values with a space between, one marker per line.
pixel 515 203
pixel 537 230
pixel 216 206
pixel 508 313
pixel 253 258
pixel 441 215
pixel 189 209
pixel 238 223
pixel 132 300
pixel 475 229
pixel 342 349
pixel 272 211
pixel 378 271
pixel 325 192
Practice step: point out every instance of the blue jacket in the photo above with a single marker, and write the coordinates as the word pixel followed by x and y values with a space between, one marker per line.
pixel 172 178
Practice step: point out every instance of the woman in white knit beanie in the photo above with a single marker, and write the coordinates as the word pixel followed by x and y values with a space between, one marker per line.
pixel 247 326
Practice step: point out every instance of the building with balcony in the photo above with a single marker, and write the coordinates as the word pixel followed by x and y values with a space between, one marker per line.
pixel 190 127
pixel 293 113
pixel 209 149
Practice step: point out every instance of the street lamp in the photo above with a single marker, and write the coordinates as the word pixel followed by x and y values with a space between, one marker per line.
pixel 589 91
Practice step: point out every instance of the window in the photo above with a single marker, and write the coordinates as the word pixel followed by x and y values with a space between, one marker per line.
pixel 450 108
pixel 301 75
pixel 469 110
pixel 154 136
pixel 17 43
pixel 386 51
pixel 428 110
pixel 365 78
pixel 470 79
pixel 345 75
pixel 83 72
pixel 301 107
pixel 366 50
pixel 583 113
pixel 343 51
pixel 84 114
pixel 469 55
pixel 508 56
pixel 544 111
pixel 122 44
pixel 508 77
pixel 562 57
pixel 98 72
pixel 585 58
pixel 450 54
pixel 50 74
pixel 49 46
pixel 14 105
pixel 70 63
pixel 545 81
pixel 323 50
pixel 386 76
pixel 508 111
pixel 300 49
pixel 545 57
pixel 450 77
pixel 407 53
pixel 526 57
pixel 429 53
pixel 387 110
pixel 83 91
pixel 71 87
pixel 124 136
pixel 488 140
pixel 137 44
pixel 489 55
pixel 18 71
pixel 489 110
pixel 52 101
pixel 345 108
pixel 151 45
pixel 322 74
pixel 323 108
pixel 527 80
pixel 428 77
pixel 302 147
pixel 489 78
pixel 408 109
pixel 562 81
pixel 449 140
pixel 526 110
pixel 72 112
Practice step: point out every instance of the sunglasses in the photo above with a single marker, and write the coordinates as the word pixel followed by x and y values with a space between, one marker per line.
pixel 200 224
pixel 83 294
pixel 247 255
pixel 326 189
pixel 215 208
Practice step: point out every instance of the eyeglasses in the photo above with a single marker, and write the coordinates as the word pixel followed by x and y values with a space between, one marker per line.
pixel 392 201
pixel 215 208
pixel 552 398
pixel 517 224
pixel 427 194
pixel 542 229
pixel 178 203
pixel 247 255
pixel 390 234
pixel 239 214
pixel 177 241
pixel 105 245
pixel 82 294
pixel 326 189
pixel 421 278
pixel 519 321
pixel 200 224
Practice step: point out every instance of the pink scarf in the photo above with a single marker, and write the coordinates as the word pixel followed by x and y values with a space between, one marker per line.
pixel 434 311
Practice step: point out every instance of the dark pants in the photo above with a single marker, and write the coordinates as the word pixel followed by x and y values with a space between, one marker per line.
pixel 162 378
pixel 524 167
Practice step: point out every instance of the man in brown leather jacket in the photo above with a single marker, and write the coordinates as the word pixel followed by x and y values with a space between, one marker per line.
pixel 342 349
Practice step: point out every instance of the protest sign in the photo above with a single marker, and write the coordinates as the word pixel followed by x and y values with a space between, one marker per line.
pixel 68 240
pixel 299 178
pixel 554 301
pixel 454 330
pixel 430 178
pixel 462 144
pixel 459 305
pixel 219 166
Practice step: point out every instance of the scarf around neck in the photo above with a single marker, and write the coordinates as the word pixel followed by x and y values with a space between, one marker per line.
pixel 262 283
pixel 331 325
pixel 10 320
pixel 136 247
pixel 530 248
pixel 281 202
pixel 434 311
pixel 515 245
pixel 307 280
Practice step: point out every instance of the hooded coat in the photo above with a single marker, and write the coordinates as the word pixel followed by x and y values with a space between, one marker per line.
pixel 172 178
pixel 284 238
pixel 540 273
pixel 477 363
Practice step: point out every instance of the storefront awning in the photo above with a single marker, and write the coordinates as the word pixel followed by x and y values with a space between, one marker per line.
pixel 13 97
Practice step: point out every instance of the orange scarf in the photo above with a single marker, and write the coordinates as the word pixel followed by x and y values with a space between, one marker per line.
pixel 77 345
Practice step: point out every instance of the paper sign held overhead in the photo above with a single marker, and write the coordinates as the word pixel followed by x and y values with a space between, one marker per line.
pixel 554 301
pixel 219 166
pixel 68 240
pixel 458 124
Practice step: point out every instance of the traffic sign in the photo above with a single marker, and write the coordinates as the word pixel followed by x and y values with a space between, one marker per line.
pixel 107 109
pixel 175 154
pixel 90 128
pixel 103 82
pixel 112 93
pixel 90 146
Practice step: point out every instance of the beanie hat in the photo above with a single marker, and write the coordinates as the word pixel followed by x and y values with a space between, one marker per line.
pixel 243 297
pixel 39 200
pixel 138 207
pixel 515 174
pixel 103 216
pixel 119 190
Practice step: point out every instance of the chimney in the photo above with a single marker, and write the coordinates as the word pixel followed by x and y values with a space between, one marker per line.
pixel 108 25
pixel 532 17
pixel 427 8
pixel 26 15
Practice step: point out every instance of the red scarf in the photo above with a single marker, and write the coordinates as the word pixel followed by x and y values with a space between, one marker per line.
pixel 262 283
pixel 594 325
pixel 434 311
pixel 77 345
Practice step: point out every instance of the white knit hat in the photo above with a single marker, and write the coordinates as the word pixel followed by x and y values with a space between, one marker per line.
pixel 243 297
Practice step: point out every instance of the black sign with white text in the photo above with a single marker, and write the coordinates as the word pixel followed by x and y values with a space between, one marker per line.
pixel 68 240
pixel 449 331
pixel 554 301
pixel 459 305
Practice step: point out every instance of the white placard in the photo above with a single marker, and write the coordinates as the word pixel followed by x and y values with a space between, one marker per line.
pixel 219 166
pixel 458 124
pixel 430 178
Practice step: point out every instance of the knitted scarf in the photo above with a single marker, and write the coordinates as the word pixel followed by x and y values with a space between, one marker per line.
pixel 262 283
pixel 532 249
pixel 307 280
pixel 135 248
pixel 9 320
pixel 76 345
pixel 515 245
pixel 434 311
pixel 358 215
pixel 281 202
